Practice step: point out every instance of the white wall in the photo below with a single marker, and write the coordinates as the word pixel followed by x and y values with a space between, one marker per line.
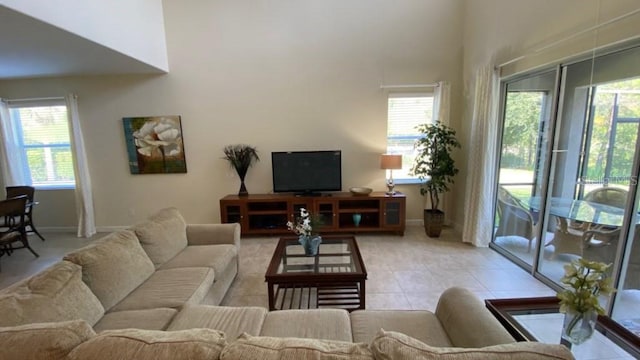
pixel 285 75
pixel 497 31
pixel 134 28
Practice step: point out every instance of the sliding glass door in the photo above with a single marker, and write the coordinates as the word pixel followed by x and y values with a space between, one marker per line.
pixel 526 130
pixel 568 174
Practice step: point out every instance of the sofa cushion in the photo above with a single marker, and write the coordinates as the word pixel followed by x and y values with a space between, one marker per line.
pixel 217 257
pixel 248 347
pixel 51 341
pixel 55 294
pixel 390 345
pixel 326 324
pixel 420 324
pixel 170 288
pixel 163 236
pixel 148 319
pixel 233 321
pixel 151 345
pixel 113 266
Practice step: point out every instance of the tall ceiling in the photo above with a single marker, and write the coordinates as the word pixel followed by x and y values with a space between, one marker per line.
pixel 31 48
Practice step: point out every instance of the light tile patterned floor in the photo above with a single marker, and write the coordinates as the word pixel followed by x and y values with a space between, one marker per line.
pixel 404 272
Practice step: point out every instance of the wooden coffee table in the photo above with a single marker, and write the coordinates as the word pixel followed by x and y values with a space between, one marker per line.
pixel 334 278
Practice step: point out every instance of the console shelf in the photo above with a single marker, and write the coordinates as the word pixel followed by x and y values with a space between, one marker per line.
pixel 267 214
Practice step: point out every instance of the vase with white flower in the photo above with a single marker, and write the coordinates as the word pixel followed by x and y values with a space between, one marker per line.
pixel 586 281
pixel 306 227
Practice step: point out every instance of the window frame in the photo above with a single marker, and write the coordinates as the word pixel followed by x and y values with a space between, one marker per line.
pixel 408 94
pixel 14 106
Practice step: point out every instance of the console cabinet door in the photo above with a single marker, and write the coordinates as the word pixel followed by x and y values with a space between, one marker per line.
pixel 393 217
pixel 233 212
pixel 327 210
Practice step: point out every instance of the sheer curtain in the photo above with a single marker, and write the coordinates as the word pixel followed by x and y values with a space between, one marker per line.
pixel 441 96
pixel 83 193
pixel 11 176
pixel 441 102
pixel 478 225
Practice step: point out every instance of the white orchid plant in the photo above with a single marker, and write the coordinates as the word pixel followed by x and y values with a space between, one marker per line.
pixel 586 281
pixel 306 224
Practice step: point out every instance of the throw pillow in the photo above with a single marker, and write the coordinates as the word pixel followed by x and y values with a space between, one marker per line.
pixel 249 347
pixel 152 345
pixel 163 236
pixel 55 294
pixel 389 345
pixel 51 341
pixel 113 266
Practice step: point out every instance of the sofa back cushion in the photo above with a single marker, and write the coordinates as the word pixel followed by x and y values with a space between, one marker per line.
pixel 55 294
pixel 390 345
pixel 163 236
pixel 51 341
pixel 151 345
pixel 113 266
pixel 275 348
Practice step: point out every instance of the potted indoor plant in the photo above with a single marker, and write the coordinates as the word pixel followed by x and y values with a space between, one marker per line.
pixel 585 281
pixel 241 157
pixel 435 168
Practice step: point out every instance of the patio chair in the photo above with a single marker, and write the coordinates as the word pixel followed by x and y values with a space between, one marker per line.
pixel 515 219
pixel 598 244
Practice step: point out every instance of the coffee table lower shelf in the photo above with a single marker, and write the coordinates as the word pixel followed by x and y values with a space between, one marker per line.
pixel 348 296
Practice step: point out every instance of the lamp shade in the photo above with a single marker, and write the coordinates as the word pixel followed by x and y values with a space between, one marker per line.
pixel 389 161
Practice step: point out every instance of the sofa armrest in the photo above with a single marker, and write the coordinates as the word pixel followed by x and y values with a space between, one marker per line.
pixel 213 234
pixel 468 323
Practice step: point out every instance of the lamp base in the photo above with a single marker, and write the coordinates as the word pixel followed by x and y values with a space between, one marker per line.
pixel 390 186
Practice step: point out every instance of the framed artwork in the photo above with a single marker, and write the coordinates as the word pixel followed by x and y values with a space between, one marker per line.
pixel 154 144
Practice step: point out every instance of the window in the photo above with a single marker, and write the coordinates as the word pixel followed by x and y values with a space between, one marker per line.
pixel 405 112
pixel 41 131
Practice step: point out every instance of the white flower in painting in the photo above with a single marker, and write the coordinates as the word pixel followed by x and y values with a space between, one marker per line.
pixel 162 134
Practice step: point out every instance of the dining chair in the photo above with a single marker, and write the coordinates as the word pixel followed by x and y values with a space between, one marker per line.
pixel 14 230
pixel 29 191
pixel 515 219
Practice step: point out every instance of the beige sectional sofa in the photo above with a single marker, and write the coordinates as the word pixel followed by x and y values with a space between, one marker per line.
pixel 151 292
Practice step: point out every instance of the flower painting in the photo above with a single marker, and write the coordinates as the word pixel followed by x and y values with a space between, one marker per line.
pixel 154 144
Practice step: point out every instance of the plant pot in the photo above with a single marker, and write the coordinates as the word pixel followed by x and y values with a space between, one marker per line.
pixel 433 222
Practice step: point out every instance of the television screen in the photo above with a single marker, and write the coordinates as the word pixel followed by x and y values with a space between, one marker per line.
pixel 307 171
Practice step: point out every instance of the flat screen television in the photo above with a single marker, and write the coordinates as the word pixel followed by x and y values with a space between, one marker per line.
pixel 307 172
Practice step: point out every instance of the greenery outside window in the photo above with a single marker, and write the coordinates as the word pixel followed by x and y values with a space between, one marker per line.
pixel 43 142
pixel 405 112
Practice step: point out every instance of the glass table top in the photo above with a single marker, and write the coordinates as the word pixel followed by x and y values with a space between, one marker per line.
pixel 547 328
pixel 539 319
pixel 336 255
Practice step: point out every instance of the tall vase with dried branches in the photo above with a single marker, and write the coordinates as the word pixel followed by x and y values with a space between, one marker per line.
pixel 241 157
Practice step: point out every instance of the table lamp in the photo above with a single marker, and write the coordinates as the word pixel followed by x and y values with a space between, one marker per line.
pixel 390 162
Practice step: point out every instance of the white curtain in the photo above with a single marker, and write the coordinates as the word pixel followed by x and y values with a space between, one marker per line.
pixel 478 225
pixel 441 102
pixel 441 105
pixel 11 175
pixel 83 193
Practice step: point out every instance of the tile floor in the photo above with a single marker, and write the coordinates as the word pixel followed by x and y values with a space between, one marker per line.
pixel 404 272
